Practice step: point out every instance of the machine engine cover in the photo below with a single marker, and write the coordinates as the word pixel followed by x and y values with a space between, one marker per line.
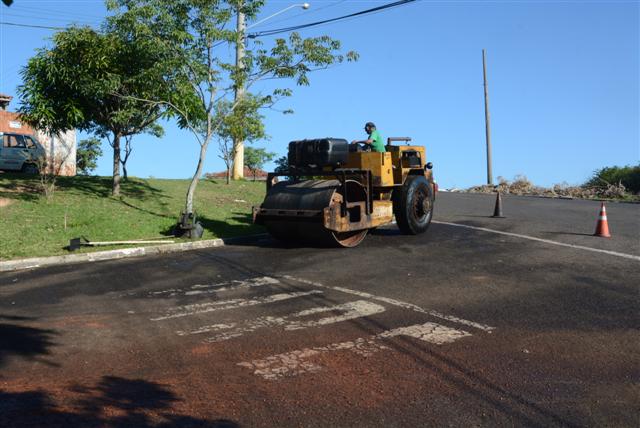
pixel 318 153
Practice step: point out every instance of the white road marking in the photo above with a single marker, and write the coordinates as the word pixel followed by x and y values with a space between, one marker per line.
pixel 352 310
pixel 546 241
pixel 206 329
pixel 395 303
pixel 200 308
pixel 215 288
pixel 296 362
pixel 427 332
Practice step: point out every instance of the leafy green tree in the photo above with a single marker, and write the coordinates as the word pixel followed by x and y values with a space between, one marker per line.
pixel 85 81
pixel 198 33
pixel 245 120
pixel 255 158
pixel 282 164
pixel 628 176
pixel 87 154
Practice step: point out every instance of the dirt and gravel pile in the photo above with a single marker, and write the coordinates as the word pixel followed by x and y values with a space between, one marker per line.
pixel 522 186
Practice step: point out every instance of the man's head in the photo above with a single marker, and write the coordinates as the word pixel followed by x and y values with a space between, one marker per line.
pixel 369 126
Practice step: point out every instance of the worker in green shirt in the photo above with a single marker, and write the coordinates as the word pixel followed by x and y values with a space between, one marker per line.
pixel 374 141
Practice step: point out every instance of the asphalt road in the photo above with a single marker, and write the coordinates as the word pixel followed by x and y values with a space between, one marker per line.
pixel 457 327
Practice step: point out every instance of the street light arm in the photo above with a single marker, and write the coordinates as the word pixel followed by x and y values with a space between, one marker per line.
pixel 302 5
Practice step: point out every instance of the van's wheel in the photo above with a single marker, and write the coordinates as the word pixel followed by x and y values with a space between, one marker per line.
pixel 29 168
pixel 413 205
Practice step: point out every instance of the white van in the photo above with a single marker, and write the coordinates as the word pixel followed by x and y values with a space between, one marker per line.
pixel 20 153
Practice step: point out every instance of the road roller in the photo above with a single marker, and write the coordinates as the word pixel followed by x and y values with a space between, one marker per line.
pixel 334 192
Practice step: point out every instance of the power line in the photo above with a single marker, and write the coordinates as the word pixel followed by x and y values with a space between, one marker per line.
pixel 265 32
pixel 31 26
pixel 307 13
pixel 326 21
pixel 40 11
pixel 48 18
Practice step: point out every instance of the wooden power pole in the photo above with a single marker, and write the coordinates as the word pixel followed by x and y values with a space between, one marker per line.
pixel 486 118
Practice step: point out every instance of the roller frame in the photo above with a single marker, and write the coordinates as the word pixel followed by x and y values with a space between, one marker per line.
pixel 328 217
pixel 340 174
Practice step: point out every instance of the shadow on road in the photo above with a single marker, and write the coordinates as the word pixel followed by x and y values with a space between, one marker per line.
pixel 113 402
pixel 27 342
pixel 556 233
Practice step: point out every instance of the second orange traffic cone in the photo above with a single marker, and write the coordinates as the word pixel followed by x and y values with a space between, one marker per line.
pixel 602 227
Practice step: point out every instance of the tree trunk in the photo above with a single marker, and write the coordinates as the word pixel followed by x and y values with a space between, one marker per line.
pixel 125 159
pixel 116 164
pixel 228 174
pixel 196 177
pixel 238 159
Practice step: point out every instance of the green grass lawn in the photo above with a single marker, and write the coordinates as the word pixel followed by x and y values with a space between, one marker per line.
pixel 82 206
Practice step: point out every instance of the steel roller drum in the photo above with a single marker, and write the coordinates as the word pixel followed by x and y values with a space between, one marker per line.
pixel 308 195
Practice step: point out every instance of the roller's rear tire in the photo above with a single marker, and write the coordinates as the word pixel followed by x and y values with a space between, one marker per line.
pixel 413 205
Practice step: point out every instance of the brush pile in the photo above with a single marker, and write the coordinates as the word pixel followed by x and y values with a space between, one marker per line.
pixel 522 186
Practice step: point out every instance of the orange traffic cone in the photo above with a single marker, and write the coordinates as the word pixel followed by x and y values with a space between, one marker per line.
pixel 602 227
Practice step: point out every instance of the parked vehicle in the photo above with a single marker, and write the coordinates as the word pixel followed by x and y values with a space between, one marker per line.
pixel 20 152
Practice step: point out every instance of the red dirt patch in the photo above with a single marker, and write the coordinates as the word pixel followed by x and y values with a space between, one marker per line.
pixel 201 350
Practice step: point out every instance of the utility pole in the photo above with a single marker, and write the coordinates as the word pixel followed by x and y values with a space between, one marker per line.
pixel 238 144
pixel 486 118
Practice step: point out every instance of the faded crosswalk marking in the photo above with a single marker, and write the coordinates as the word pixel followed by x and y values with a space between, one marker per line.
pixel 301 361
pixel 215 288
pixel 297 362
pixel 201 308
pixel 394 302
pixel 351 310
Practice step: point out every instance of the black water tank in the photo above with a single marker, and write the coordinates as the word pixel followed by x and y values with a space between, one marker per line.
pixel 319 152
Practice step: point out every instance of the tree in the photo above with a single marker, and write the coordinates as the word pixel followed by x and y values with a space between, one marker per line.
pixel 255 158
pixel 202 78
pixel 87 154
pixel 154 129
pixel 627 176
pixel 282 164
pixel 85 81
pixel 244 120
pixel 51 166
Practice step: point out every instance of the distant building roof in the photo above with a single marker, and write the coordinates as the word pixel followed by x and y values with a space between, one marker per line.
pixel 4 101
pixel 260 174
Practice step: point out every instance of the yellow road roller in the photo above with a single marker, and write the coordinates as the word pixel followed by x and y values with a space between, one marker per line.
pixel 334 192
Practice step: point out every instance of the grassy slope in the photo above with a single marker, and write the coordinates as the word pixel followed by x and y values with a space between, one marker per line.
pixel 32 226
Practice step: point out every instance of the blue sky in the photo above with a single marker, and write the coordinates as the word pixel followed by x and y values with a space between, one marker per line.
pixel 563 81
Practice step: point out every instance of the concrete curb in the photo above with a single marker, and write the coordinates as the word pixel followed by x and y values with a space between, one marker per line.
pixel 38 262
